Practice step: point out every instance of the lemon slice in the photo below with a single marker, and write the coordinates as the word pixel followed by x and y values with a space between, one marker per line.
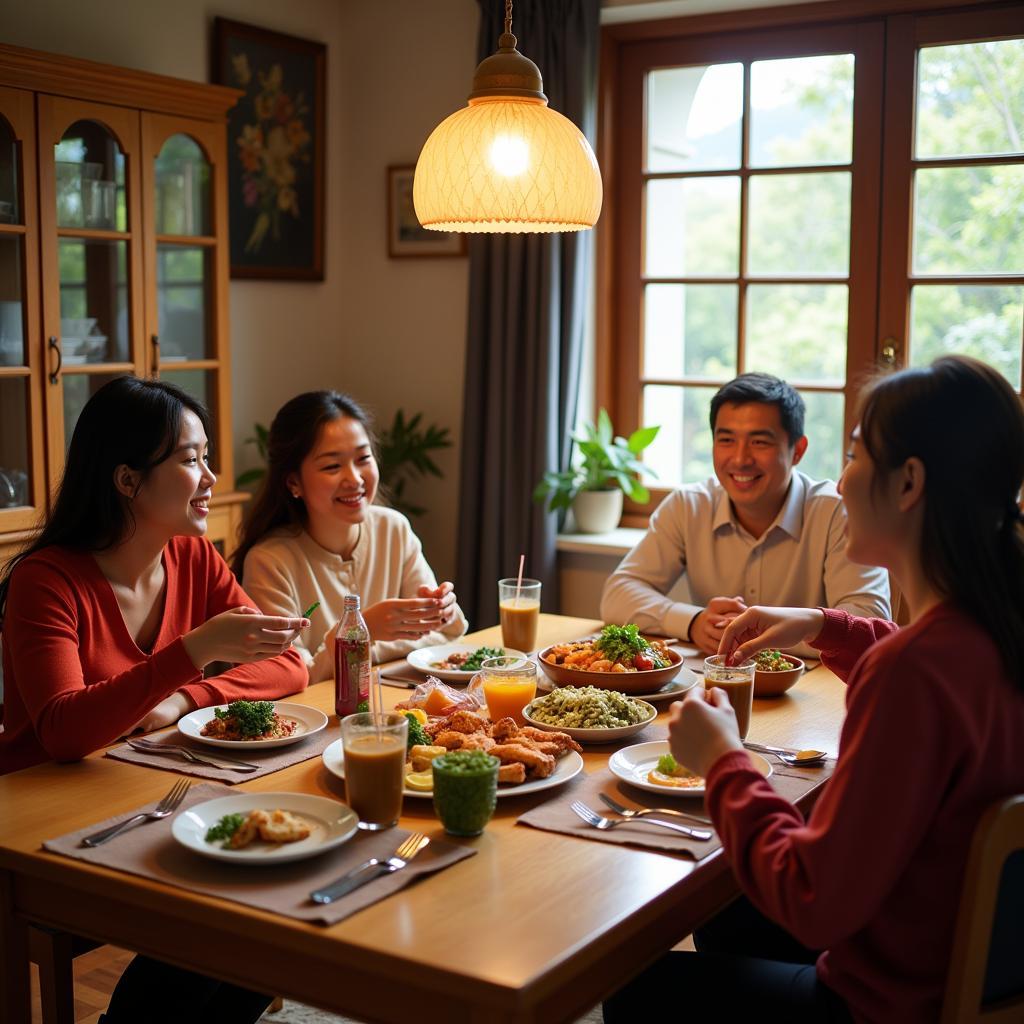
pixel 420 781
pixel 419 714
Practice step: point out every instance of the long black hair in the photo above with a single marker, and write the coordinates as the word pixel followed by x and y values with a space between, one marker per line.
pixel 962 419
pixel 292 437
pixel 130 422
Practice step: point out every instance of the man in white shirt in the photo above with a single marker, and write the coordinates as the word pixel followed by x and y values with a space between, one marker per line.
pixel 762 533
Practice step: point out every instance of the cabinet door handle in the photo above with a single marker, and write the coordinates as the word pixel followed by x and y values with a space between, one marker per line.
pixel 54 347
pixel 155 341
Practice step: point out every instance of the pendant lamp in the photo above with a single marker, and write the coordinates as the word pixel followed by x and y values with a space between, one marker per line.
pixel 507 162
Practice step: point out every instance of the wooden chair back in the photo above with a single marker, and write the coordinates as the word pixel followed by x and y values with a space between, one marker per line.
pixel 986 976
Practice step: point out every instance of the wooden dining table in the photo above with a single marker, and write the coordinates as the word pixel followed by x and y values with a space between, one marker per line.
pixel 536 927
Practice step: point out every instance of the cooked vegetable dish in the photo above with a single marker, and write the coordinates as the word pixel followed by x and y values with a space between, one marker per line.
pixel 587 707
pixel 615 649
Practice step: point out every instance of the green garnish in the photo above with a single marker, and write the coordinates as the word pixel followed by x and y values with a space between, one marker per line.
pixel 312 608
pixel 254 717
pixel 465 762
pixel 667 764
pixel 773 661
pixel 363 707
pixel 418 736
pixel 225 828
pixel 623 643
pixel 476 660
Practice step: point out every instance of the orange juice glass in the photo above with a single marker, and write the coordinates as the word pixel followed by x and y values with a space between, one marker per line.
pixel 509 685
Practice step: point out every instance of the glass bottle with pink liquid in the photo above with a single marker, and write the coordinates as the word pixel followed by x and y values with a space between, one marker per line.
pixel 351 659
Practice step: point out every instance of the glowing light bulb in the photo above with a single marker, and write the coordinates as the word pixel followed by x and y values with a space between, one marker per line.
pixel 509 155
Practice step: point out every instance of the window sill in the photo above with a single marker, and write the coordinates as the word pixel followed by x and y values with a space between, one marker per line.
pixel 618 542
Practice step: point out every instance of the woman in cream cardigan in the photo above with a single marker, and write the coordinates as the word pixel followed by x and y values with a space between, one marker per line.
pixel 314 534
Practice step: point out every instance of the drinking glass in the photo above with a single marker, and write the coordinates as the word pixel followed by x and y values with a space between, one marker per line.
pixel 738 683
pixel 509 685
pixel 519 607
pixel 374 746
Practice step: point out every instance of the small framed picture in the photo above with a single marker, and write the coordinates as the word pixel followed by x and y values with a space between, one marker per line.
pixel 406 237
pixel 276 143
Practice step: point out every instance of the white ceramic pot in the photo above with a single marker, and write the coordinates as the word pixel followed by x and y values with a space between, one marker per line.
pixel 597 511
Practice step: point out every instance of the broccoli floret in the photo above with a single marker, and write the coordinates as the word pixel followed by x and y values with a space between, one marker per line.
pixel 254 717
pixel 418 736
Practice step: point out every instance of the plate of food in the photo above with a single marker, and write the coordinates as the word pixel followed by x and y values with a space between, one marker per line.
pixel 264 828
pixel 618 658
pixel 456 663
pixel 651 766
pixel 531 759
pixel 254 724
pixel 672 690
pixel 589 714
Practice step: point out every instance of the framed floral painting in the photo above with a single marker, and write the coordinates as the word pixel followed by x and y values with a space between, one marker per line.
pixel 406 237
pixel 276 143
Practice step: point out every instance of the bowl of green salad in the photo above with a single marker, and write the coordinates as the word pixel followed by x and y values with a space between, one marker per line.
pixel 776 673
pixel 590 714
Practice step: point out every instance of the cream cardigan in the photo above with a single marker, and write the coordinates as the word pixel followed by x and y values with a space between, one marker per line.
pixel 287 571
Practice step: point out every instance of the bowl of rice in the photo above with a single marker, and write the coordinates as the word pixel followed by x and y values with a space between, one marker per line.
pixel 590 714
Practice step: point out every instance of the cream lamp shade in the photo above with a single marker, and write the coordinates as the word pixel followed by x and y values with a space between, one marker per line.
pixel 507 162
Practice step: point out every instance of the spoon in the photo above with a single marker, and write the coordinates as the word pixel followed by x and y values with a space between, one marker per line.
pixel 794 758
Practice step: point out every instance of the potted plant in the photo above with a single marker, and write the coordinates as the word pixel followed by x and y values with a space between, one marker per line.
pixel 608 467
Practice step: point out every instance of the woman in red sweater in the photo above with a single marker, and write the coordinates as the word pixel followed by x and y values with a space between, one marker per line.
pixel 851 913
pixel 115 609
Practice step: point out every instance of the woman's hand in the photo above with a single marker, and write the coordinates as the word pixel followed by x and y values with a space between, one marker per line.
pixel 757 629
pixel 708 625
pixel 167 712
pixel 409 618
pixel 701 728
pixel 241 635
pixel 446 601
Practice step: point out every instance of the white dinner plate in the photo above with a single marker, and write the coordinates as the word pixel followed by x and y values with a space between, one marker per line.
pixel 566 768
pixel 424 660
pixel 309 721
pixel 673 690
pixel 631 764
pixel 333 823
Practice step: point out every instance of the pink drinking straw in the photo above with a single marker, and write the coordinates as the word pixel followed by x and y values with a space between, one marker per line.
pixel 376 701
pixel 519 581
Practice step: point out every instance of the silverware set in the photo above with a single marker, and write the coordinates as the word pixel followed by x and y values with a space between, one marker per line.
pixel 591 817
pixel 372 869
pixel 219 761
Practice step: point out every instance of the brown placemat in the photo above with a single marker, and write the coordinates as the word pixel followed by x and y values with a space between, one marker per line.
pixel 555 815
pixel 402 672
pixel 272 760
pixel 150 851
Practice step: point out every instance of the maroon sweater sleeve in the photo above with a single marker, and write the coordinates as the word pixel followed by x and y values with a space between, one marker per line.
pixel 845 637
pixel 824 879
pixel 259 680
pixel 44 635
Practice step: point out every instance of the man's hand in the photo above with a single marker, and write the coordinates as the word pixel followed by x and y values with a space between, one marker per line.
pixel 709 625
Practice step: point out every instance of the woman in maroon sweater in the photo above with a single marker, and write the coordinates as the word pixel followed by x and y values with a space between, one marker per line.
pixel 850 914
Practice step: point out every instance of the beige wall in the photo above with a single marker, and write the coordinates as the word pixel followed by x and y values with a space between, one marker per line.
pixel 391 331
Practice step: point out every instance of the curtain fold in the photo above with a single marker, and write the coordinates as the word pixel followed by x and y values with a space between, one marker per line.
pixel 528 299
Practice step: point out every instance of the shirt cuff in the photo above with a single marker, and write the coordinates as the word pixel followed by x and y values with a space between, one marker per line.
pixel 678 619
pixel 835 631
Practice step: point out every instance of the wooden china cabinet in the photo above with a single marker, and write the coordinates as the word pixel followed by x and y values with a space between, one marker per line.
pixel 113 260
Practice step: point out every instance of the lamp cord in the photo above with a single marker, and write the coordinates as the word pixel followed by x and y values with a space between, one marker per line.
pixel 508 17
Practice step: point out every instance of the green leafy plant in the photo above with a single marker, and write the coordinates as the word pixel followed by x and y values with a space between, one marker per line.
pixel 405 454
pixel 606 462
pixel 257 473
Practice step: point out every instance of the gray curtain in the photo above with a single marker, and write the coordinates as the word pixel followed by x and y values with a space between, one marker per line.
pixel 528 296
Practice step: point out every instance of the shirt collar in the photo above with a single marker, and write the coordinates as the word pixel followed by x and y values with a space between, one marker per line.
pixel 790 518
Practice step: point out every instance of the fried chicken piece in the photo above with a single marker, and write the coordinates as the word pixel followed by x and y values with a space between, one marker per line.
pixel 540 765
pixel 467 722
pixel 563 741
pixel 514 774
pixel 504 729
pixel 248 830
pixel 450 740
pixel 283 827
pixel 477 741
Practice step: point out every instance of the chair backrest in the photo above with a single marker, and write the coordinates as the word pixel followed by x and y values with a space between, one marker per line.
pixel 986 974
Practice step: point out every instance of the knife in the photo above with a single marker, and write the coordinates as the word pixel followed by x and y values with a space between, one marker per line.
pixel 191 755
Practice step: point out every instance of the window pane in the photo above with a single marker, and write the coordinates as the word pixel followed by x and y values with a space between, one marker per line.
pixel 975 320
pixel 93 300
pixel 12 313
pixel 693 118
pixel 9 212
pixel 90 179
pixel 799 224
pixel 798 331
pixel 801 111
pixel 969 220
pixel 693 227
pixel 199 384
pixel 182 188
pixel 823 426
pixel 182 285
pixel 78 388
pixel 681 453
pixel 14 442
pixel 690 330
pixel 969 99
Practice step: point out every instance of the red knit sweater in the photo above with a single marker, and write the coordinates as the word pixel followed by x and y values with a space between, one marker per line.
pixel 74 679
pixel 933 735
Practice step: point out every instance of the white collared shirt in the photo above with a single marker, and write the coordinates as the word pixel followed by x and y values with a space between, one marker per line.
pixel 799 561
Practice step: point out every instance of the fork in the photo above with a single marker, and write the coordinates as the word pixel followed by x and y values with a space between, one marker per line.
pixel 644 811
pixel 166 807
pixel 371 869
pixel 226 763
pixel 591 817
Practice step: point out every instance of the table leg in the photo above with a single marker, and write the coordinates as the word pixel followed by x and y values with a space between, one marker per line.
pixel 14 970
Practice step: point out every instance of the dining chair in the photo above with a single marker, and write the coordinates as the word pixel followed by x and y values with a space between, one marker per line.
pixel 986 976
pixel 54 952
